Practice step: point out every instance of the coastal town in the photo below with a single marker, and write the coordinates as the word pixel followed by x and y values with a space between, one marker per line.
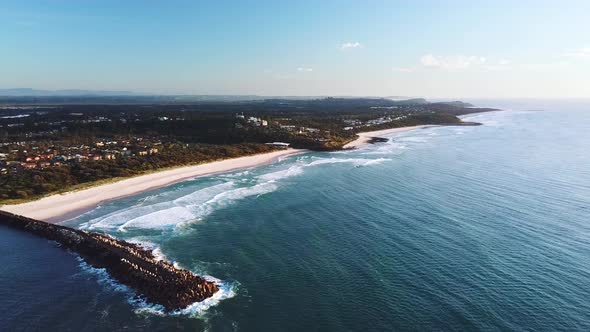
pixel 48 147
pixel 132 148
pixel 333 166
pixel 41 155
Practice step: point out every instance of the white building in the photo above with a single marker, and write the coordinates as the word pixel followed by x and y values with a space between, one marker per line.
pixel 279 145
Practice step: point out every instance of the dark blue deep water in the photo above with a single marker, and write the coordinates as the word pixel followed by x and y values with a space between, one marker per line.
pixel 448 228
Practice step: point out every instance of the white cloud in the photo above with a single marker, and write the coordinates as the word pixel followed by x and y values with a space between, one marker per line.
pixel 454 62
pixel 350 45
pixel 501 64
pixel 305 69
pixel 402 69
pixel 544 66
pixel 582 53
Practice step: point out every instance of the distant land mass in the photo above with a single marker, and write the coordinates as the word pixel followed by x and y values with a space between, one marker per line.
pixel 53 143
pixel 29 92
pixel 69 95
pixel 457 103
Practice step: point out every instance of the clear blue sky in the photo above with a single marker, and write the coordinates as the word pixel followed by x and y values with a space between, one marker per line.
pixel 324 47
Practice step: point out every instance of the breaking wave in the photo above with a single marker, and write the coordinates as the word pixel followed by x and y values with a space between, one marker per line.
pixel 142 307
pixel 153 213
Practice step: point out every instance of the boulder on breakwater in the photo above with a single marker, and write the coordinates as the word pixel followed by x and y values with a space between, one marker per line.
pixel 158 281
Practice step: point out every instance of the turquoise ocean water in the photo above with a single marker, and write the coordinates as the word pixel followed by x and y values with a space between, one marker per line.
pixel 447 228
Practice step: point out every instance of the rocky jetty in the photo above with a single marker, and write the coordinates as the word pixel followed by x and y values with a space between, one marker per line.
pixel 156 280
pixel 375 140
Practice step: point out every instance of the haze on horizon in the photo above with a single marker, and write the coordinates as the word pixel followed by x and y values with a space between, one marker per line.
pixel 309 48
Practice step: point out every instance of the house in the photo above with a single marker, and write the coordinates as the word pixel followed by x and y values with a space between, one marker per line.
pixel 32 158
pixel 309 130
pixel 255 121
pixel 279 145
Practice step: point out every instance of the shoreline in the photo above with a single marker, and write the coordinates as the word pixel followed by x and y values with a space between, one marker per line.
pixel 61 207
pixel 366 136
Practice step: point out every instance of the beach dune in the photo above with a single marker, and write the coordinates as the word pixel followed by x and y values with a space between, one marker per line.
pixel 60 207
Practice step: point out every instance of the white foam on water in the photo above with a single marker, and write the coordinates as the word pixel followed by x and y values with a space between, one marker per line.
pixel 142 307
pixel 159 219
pixel 164 214
pixel 102 276
pixel 234 175
pixel 226 291
pixel 201 196
pixel 459 131
pixel 414 139
pixel 357 162
pixel 147 245
pixel 115 219
pixel 392 148
pixel 228 197
pixel 158 254
pixel 375 161
pixel 152 198
pixel 274 176
pixel 195 206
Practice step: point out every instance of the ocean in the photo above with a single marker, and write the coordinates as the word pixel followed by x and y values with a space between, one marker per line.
pixel 445 228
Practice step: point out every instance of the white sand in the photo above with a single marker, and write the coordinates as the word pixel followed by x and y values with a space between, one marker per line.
pixel 365 137
pixel 61 207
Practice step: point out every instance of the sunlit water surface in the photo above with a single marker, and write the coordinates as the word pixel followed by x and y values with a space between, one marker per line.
pixel 448 228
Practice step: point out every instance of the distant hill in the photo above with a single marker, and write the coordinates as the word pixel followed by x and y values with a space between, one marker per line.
pixel 456 103
pixel 413 101
pixel 28 92
pixel 77 96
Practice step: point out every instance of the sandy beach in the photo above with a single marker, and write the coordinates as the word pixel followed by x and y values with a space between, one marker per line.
pixel 365 137
pixel 61 207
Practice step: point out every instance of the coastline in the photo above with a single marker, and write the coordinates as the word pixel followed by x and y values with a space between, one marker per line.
pixel 60 207
pixel 366 136
pixel 159 281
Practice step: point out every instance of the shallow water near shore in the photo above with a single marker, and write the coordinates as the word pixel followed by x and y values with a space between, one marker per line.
pixel 446 228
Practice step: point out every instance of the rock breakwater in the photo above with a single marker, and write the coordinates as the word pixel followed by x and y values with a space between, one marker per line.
pixel 156 280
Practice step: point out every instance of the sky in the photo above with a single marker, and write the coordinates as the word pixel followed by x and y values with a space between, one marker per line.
pixel 438 49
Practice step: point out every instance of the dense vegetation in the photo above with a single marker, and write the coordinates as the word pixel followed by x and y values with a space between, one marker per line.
pixel 34 182
pixel 185 132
